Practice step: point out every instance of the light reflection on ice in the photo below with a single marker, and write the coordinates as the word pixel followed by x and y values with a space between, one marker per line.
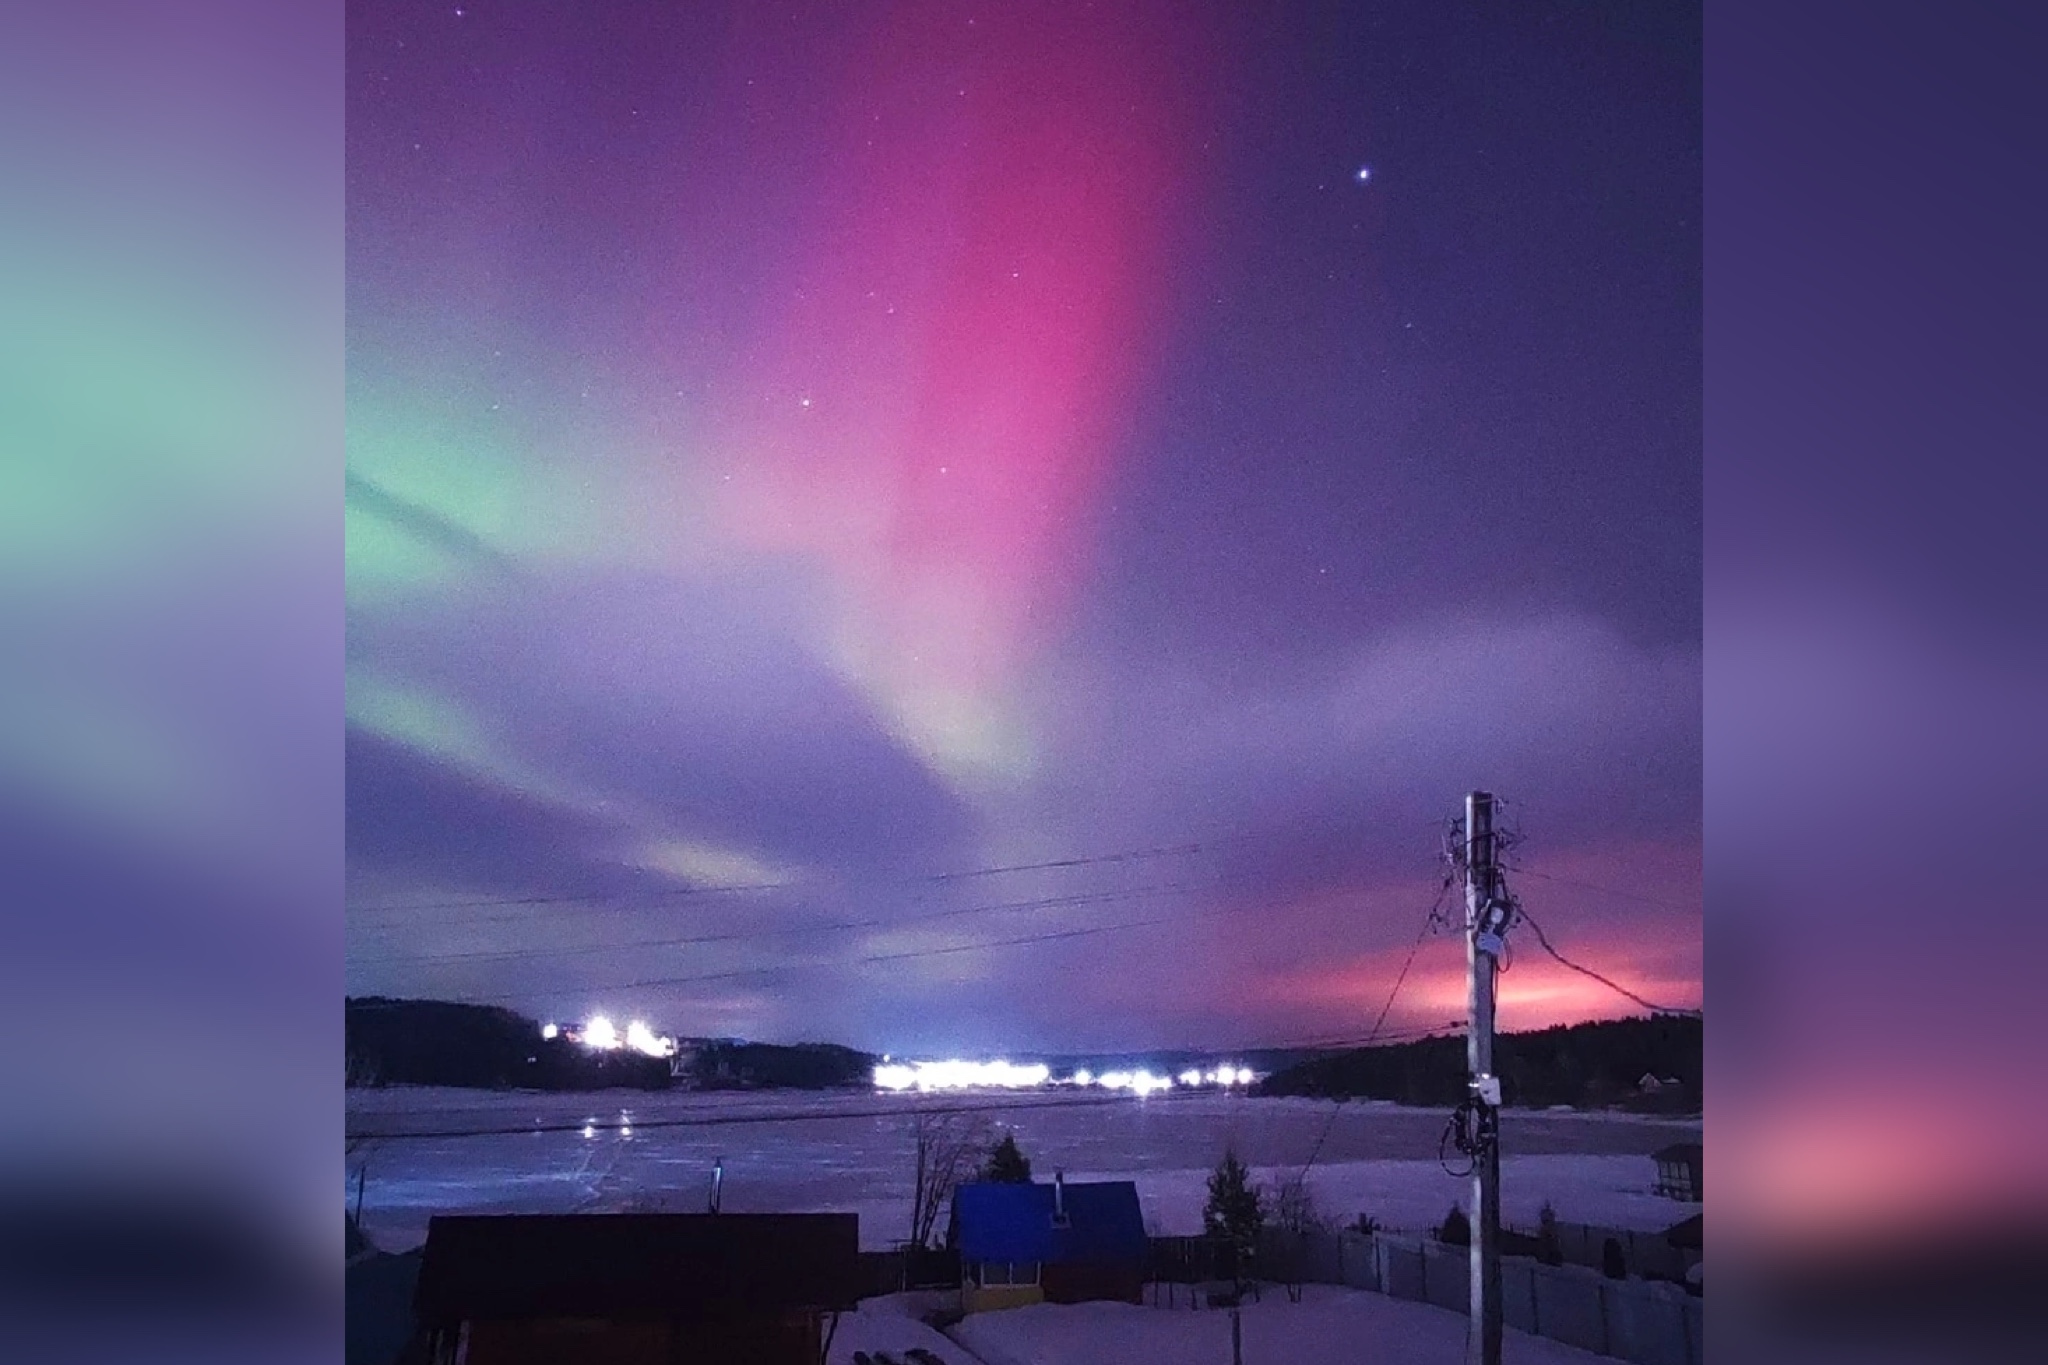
pixel 855 1152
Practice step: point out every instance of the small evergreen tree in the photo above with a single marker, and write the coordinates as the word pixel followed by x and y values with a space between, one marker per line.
pixel 1457 1228
pixel 1006 1165
pixel 1236 1208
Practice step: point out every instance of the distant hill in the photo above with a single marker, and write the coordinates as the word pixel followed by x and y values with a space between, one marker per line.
pixel 438 1042
pixel 727 1065
pixel 1585 1065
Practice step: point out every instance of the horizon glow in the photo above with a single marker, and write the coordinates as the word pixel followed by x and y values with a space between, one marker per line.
pixel 961 1075
pixel 601 1035
pixel 1001 1074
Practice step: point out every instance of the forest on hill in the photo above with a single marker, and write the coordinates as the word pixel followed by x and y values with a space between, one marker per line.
pixel 1593 1065
pixel 439 1042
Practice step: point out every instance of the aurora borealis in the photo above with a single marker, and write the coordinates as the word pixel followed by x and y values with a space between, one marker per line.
pixel 802 463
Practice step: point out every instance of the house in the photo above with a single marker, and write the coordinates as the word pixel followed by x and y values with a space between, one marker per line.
pixel 1678 1171
pixel 1652 1084
pixel 630 1288
pixel 1057 1243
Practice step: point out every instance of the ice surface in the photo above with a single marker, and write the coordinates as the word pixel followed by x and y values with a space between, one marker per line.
pixel 851 1152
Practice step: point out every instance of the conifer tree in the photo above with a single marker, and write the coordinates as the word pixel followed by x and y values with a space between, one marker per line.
pixel 1006 1165
pixel 1456 1229
pixel 1236 1208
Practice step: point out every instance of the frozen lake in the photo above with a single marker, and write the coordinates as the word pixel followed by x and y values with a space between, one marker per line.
pixel 852 1151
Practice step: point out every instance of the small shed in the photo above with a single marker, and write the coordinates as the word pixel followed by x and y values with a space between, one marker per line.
pixel 1678 1171
pixel 632 1288
pixel 1057 1243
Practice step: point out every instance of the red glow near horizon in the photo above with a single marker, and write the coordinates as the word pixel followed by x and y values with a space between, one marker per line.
pixel 1589 919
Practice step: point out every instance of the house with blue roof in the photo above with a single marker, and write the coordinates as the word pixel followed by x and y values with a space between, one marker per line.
pixel 1057 1243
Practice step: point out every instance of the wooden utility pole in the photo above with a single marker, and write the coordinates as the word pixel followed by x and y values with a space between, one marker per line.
pixel 1485 922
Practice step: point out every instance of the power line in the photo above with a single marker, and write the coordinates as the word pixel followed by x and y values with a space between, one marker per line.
pixel 1207 844
pixel 904 956
pixel 670 893
pixel 1544 939
pixel 947 949
pixel 1327 1042
pixel 1604 890
pixel 741 935
pixel 583 898
pixel 1130 856
pixel 1429 924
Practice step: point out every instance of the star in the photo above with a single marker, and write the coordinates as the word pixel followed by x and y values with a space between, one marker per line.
pixel 1365 175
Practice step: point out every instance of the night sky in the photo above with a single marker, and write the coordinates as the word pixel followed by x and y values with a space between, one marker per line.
pixel 806 459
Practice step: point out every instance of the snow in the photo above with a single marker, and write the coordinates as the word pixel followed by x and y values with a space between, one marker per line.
pixel 1414 1196
pixel 851 1152
pixel 1330 1325
pixel 891 1323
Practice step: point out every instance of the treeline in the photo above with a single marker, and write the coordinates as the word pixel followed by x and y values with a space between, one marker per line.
pixel 434 1042
pixel 437 1042
pixel 1585 1065
pixel 802 1066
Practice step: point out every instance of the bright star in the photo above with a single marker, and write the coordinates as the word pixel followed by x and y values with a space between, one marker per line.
pixel 1364 175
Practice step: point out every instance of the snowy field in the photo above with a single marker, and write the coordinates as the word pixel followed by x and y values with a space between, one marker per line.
pixel 851 1152
pixel 1329 1325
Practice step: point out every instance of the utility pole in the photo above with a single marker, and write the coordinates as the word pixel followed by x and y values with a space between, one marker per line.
pixel 1486 916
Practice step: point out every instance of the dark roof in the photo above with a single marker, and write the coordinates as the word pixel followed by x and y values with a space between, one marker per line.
pixel 637 1265
pixel 377 1307
pixel 1686 1233
pixel 1015 1223
pixel 1679 1151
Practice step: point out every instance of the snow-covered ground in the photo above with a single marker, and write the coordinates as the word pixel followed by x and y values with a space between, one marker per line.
pixel 852 1152
pixel 1328 1325
pixel 893 1324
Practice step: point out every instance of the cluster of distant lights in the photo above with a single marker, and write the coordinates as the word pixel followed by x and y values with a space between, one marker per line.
pixel 1002 1075
pixel 600 1034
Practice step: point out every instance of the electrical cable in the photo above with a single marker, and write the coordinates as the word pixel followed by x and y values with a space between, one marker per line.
pixel 1603 890
pixel 1544 939
pixel 742 935
pixel 1429 924
pixel 483 902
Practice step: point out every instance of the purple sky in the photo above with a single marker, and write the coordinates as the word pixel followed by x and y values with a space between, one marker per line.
pixel 793 459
